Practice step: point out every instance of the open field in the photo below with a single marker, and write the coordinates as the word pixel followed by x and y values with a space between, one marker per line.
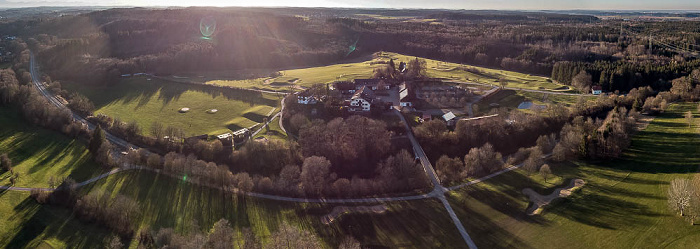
pixel 511 99
pixel 170 202
pixel 622 205
pixel 38 154
pixel 145 101
pixel 306 77
pixel 26 224
pixel 275 133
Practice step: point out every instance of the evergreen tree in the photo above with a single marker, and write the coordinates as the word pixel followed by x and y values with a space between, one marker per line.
pixel 97 139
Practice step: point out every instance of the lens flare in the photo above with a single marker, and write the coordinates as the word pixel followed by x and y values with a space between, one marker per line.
pixel 207 26
pixel 352 47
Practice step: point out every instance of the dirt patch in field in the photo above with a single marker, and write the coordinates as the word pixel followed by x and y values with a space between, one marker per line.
pixel 538 201
pixel 341 210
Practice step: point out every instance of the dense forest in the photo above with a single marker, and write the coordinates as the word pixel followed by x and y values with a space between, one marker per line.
pixel 108 43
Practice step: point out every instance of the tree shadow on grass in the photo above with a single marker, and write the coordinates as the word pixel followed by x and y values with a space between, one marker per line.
pixel 483 230
pixel 258 118
pixel 415 224
pixel 600 210
pixel 44 222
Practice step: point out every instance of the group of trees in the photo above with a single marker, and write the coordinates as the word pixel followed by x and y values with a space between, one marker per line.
pixel 599 128
pixel 624 76
pixel 34 107
pixel 478 162
pixel 506 132
pixel 354 145
pixel 222 236
pixel 415 69
pixel 119 213
pixel 588 138
pixel 684 197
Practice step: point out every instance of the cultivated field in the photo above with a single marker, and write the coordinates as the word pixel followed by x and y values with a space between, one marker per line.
pixel 145 101
pixel 622 205
pixel 306 77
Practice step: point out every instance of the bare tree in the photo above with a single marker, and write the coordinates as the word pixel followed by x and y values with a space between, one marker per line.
pixel 582 81
pixel 545 171
pixel 689 118
pixel 679 195
pixel 315 175
pixel 534 161
pixel 221 235
pixel 114 242
pixel 291 237
pixel 449 169
pixel 349 243
pixel 5 162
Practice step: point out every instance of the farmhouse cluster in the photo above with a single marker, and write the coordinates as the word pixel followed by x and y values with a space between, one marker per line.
pixel 370 96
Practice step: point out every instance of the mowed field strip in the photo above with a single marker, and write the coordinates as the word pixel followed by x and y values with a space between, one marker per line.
pixel 146 101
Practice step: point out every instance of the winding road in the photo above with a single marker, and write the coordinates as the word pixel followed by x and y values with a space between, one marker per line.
pixel 56 102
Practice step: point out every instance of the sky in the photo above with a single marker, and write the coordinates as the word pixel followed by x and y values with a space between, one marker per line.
pixel 432 4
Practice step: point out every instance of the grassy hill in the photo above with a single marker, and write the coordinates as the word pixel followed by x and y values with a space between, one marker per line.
pixel 622 205
pixel 145 101
pixel 306 77
pixel 37 155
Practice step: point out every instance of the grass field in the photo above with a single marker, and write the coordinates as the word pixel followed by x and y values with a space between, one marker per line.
pixel 26 224
pixel 170 202
pixel 512 98
pixel 306 77
pixel 38 154
pixel 146 101
pixel 622 205
pixel 275 133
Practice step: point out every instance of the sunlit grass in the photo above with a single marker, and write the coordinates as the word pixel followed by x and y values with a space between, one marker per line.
pixel 136 99
pixel 38 154
pixel 170 202
pixel 622 205
pixel 306 77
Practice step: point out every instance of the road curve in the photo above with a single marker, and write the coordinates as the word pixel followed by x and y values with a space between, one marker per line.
pixel 54 101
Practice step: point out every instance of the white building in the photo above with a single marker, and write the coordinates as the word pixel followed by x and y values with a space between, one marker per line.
pixel 361 100
pixel 306 100
pixel 406 95
pixel 596 90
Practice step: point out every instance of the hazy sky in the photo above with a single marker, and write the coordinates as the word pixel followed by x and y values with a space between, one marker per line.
pixel 448 4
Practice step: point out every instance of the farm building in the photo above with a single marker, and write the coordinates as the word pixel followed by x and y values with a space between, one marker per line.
pixel 361 101
pixel 406 95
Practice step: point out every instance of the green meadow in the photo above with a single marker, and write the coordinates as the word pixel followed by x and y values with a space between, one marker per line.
pixel 622 205
pixel 146 101
pixel 306 77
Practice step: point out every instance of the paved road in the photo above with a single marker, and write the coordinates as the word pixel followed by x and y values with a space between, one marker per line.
pixel 54 101
pixel 438 190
